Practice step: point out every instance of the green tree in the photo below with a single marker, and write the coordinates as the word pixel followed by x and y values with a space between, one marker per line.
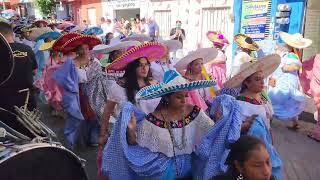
pixel 46 7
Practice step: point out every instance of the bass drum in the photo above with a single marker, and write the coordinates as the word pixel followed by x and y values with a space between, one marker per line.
pixel 40 161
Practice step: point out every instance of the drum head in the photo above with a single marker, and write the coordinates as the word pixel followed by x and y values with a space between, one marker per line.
pixel 6 63
pixel 43 163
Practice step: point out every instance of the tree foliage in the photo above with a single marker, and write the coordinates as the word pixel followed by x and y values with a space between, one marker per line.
pixel 46 7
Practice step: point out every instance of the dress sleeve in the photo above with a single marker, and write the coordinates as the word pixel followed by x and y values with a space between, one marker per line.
pixel 93 69
pixel 116 93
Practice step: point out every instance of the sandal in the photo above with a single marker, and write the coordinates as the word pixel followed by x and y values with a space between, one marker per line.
pixel 313 138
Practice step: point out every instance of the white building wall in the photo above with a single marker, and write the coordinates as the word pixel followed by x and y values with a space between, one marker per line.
pixel 192 13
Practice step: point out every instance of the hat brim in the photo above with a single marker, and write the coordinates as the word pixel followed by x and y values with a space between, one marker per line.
pixel 94 30
pixel 206 54
pixel 152 51
pixel 102 48
pixel 62 40
pixel 287 38
pixel 213 36
pixel 37 32
pixel 6 63
pixel 53 35
pixel 73 43
pixel 240 40
pixel 158 90
pixel 172 45
pixel 267 65
pixel 139 37
pixel 46 46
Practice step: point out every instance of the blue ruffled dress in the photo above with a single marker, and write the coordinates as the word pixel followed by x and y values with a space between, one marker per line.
pixel 287 100
pixel 205 159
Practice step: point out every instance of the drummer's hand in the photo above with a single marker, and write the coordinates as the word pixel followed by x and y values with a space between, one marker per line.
pixel 131 131
pixel 103 140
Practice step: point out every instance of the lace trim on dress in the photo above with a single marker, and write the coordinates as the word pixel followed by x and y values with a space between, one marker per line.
pixel 175 124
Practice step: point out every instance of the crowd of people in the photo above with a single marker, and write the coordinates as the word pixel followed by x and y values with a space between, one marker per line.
pixel 118 88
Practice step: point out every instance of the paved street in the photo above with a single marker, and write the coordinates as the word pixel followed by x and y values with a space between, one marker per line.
pixel 300 154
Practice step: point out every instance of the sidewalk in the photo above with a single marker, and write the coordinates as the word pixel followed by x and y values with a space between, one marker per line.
pixel 300 155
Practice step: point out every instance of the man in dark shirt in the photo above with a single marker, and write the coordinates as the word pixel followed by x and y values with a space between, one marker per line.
pixel 25 66
pixel 178 33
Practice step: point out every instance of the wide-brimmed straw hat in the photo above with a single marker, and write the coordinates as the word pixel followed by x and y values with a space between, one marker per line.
pixel 93 30
pixel 74 42
pixel 295 40
pixel 47 46
pixel 6 63
pixel 172 82
pixel 206 54
pixel 137 37
pixel 217 37
pixel 37 32
pixel 172 45
pixel 57 45
pixel 52 34
pixel 115 44
pixel 267 65
pixel 151 50
pixel 246 42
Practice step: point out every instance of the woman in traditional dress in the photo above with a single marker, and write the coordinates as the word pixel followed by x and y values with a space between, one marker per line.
pixel 176 140
pixel 309 79
pixel 137 75
pixel 287 99
pixel 192 68
pixel 254 105
pixel 250 76
pixel 159 67
pixel 71 76
pixel 217 67
pixel 41 56
pixel 246 49
pixel 135 63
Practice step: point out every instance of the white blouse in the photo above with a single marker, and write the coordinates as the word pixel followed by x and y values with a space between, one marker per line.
pixel 157 139
pixel 118 95
pixel 158 70
pixel 249 109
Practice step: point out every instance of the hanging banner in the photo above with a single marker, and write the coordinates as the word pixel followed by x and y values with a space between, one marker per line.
pixel 255 18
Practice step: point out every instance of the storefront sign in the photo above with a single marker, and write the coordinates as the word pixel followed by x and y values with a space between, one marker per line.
pixel 255 18
pixel 125 4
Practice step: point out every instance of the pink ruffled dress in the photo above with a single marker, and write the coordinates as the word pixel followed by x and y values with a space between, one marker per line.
pixel 310 82
pixel 218 70
pixel 52 91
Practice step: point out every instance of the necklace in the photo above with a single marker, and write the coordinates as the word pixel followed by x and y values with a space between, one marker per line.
pixel 173 140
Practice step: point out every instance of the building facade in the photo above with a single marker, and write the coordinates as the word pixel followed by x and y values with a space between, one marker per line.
pixel 197 16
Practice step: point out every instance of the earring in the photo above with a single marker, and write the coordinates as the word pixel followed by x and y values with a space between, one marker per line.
pixel 240 177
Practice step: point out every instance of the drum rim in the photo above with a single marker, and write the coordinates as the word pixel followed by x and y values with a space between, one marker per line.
pixel 29 146
pixel 10 56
